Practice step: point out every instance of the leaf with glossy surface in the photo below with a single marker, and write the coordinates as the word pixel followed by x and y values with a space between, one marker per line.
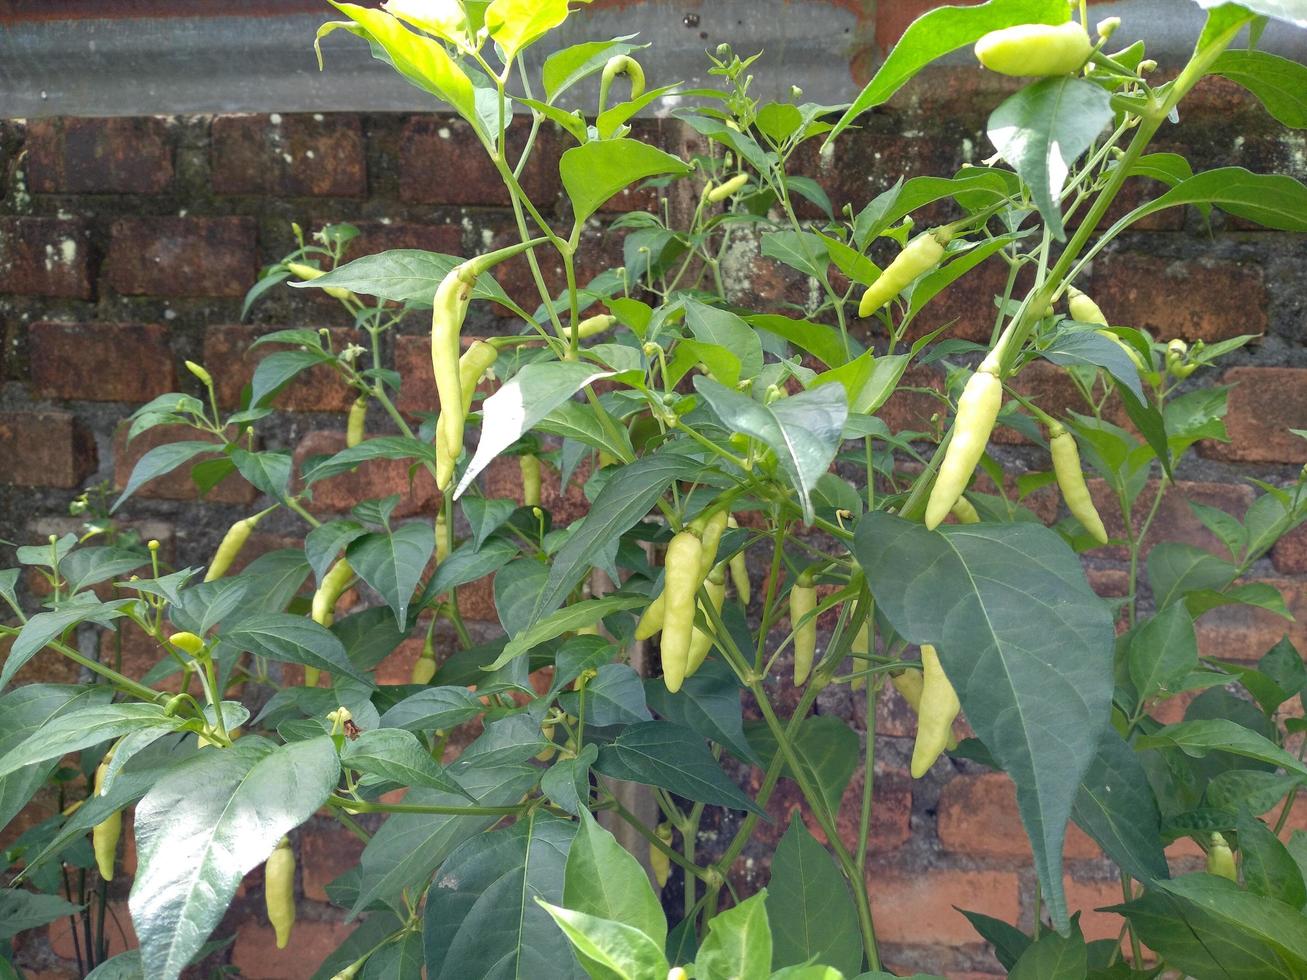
pixel 435 707
pixel 597 171
pixel 708 703
pixel 1042 130
pixel 397 756
pixel 482 915
pixel 47 626
pixel 657 753
pixel 79 729
pixel 294 640
pixel 1271 200
pixel 567 782
pixel 402 275
pixel 808 903
pixel 1024 640
pixel 1279 84
pixel 605 880
pixel 615 951
pixel 739 942
pixel 1163 651
pixel 723 328
pixel 205 825
pixel 159 461
pixel 1198 738
pixel 392 562
pixel 578 615
pixel 615 696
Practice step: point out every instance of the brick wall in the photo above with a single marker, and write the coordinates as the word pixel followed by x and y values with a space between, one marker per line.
pixel 127 244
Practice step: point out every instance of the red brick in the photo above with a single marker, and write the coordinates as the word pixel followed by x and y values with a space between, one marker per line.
pixel 503 479
pixel 258 958
pixel 381 236
pixel 417 390
pixel 920 906
pixel 1264 405
pixel 1245 633
pixel 176 485
pixel 104 362
pixel 1290 552
pixel 288 155
pixel 374 478
pixel 45 257
pixel 47 667
pixel 326 853
pixel 978 816
pixel 968 304
pixel 476 600
pixel 127 155
pixel 45 449
pixel 442 162
pixel 1175 520
pixel 173 256
pixel 1087 896
pixel 319 389
pixel 913 409
pixel 1199 299
pixel 61 937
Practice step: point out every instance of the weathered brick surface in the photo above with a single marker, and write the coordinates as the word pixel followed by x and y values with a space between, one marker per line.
pixel 440 162
pixel 374 478
pixel 182 256
pixel 1265 404
pixel 45 257
pixel 107 362
pixel 920 907
pixel 45 449
pixel 99 156
pixel 176 485
pixel 978 816
pixel 230 351
pixel 258 957
pixel 289 155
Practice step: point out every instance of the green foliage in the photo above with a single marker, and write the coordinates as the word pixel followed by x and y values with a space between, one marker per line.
pixel 679 406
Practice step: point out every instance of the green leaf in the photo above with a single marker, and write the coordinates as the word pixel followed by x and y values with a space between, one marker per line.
pixel 1270 200
pixel 520 403
pixel 723 328
pixel 1208 927
pixel 1280 84
pixel 1175 569
pixel 1116 807
pixel 267 472
pixel 48 626
pixel 422 62
pixel 938 32
pixel 1089 347
pixel 657 753
pixel 614 696
pixel 403 275
pixel 392 562
pixel 1198 738
pixel 1053 957
pixel 516 24
pixel 399 959
pixel 739 943
pixel 79 729
pixel 809 904
pixel 804 431
pixel 605 881
pixel 1288 11
pixel 293 640
pixel 613 951
pixel 597 171
pixel 625 499
pixel 397 756
pixel 409 846
pixel 1268 867
pixel 1042 130
pixel 1253 789
pixel 124 966
pixel 1163 651
pixel 827 750
pixel 578 615
pixel 277 370
pixel 567 782
pixel 22 910
pixel 384 447
pixel 1026 643
pixel 467 563
pixel 802 251
pixel 1008 941
pixel 820 340
pixel 435 707
pixel 206 824
pixel 159 461
pixel 483 916
pixel 563 69
pixel 707 703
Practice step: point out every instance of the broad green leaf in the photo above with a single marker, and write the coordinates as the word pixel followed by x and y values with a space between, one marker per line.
pixel 625 499
pixel 293 640
pixel 467 563
pixel 433 708
pixel 1271 200
pixel 383 447
pixel 392 562
pixel 1042 130
pixel 404 275
pixel 48 626
pixel 935 34
pixel 605 881
pixel 708 703
pixel 804 430
pixel 1198 738
pixel 422 62
pixel 827 750
pixel 396 756
pixel 267 472
pixel 159 461
pixel 208 822
pixel 278 369
pixel 89 724
pixel 809 905
pixel 520 403
pixel 515 24
pixel 572 420
pixel 1053 957
pixel 657 753
pixel 1026 643
pixel 483 917
pixel 800 250
pixel 565 68
pixel 818 339
pixel 1289 11
pixel 577 616
pixel 1163 651
pixel 1175 569
pixel 613 950
pixel 1280 84
pixel 615 696
pixel 1208 927
pixel 723 328
pixel 505 741
pixel 124 966
pixel 399 959
pixel 1268 867
pixel 739 943
pixel 595 172
pixel 409 846
pixel 22 910
pixel 1253 789
pixel 1116 807
pixel 567 782
pixel 1008 941
pixel 1089 347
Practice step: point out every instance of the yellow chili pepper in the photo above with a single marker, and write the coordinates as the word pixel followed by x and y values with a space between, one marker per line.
pixel 939 705
pixel 1071 481
pixel 188 642
pixel 1035 50
pixel 659 862
pixel 861 644
pixel 424 668
pixel 354 423
pixel 230 547
pixel 530 466
pixel 977 411
pixel 105 834
pixel 702 640
pixel 449 308
pixel 442 538
pixel 965 511
pixel 279 891
pixel 739 567
pixel 204 377
pixel 329 591
pixel 727 188
pixel 593 325
pixel 1220 859
pixel 803 600
pixel 472 366
pixel 709 526
pixel 682 580
pixel 918 256
pixel 621 64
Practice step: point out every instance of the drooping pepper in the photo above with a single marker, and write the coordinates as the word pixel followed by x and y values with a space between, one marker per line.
pixel 939 705
pixel 530 466
pixel 1220 859
pixel 803 600
pixel 739 567
pixel 965 511
pixel 702 640
pixel 279 891
pixel 358 416
pixel 709 526
pixel 472 366
pixel 726 188
pixel 449 309
pixel 105 834
pixel 977 411
pixel 920 255
pixel 323 608
pixel 659 862
pixel 1071 481
pixel 681 583
pixel 232 543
